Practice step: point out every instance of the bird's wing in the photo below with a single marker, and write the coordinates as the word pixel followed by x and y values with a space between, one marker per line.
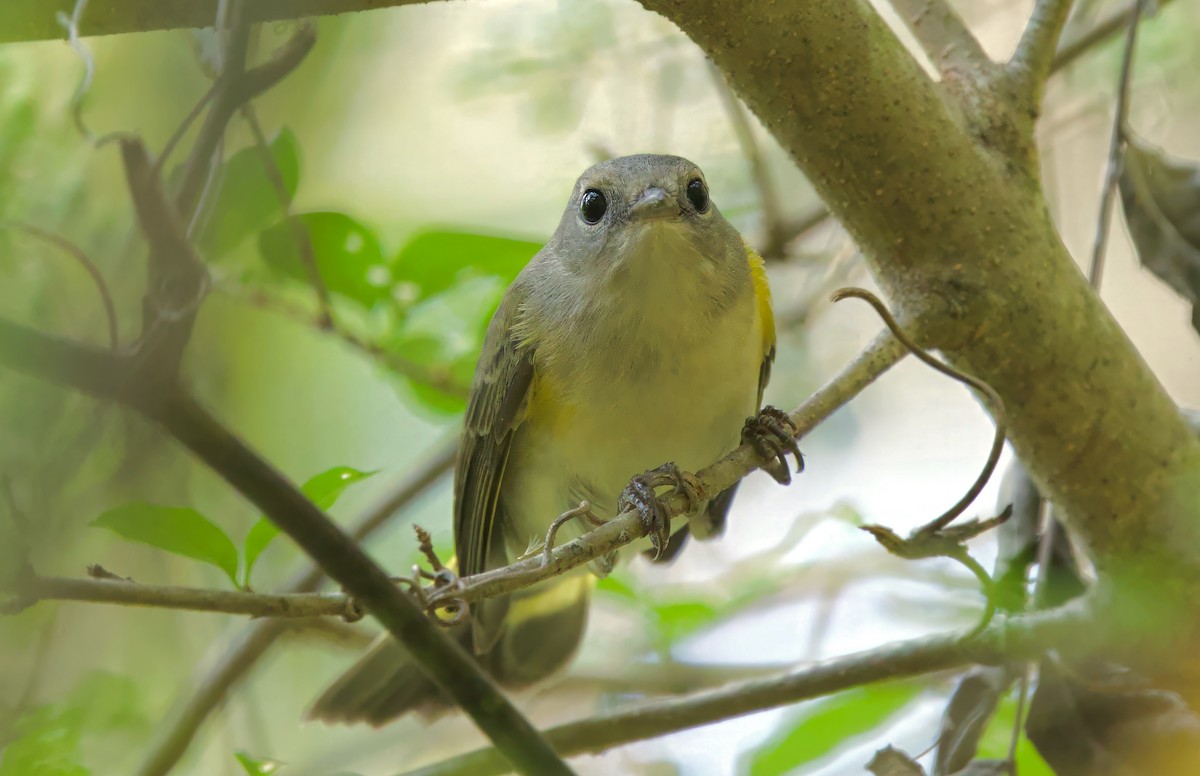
pixel 494 411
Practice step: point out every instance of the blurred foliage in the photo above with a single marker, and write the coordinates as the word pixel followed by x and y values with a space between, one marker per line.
pixel 257 766
pixel 184 531
pixel 410 296
pixel 102 715
pixel 823 727
pixel 997 740
pixel 246 198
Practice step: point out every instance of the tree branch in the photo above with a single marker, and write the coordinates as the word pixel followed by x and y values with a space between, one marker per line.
pixel 441 658
pixel 1068 52
pixel 923 198
pixel 1078 45
pixel 115 591
pixel 944 37
pixel 1116 150
pixel 390 359
pixel 1030 64
pixel 1069 629
pixel 37 19
pixel 254 641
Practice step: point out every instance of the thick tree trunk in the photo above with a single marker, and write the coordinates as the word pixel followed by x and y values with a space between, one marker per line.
pixel 960 238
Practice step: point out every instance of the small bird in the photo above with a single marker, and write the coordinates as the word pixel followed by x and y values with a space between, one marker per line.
pixel 633 348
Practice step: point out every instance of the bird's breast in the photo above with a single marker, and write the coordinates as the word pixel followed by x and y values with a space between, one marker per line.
pixel 627 400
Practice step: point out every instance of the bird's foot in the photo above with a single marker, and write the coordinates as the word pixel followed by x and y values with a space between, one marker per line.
pixel 642 496
pixel 773 435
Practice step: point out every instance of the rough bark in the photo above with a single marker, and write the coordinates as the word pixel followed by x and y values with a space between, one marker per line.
pixel 964 247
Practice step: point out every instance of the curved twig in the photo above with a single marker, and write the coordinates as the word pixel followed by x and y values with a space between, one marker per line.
pixel 1116 149
pixel 993 400
pixel 85 261
pixel 71 25
pixel 183 127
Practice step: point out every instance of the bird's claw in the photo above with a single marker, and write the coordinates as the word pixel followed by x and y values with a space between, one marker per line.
pixel 641 495
pixel 773 435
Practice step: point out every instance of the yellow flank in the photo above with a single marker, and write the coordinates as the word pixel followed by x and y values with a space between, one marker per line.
pixel 762 294
pixel 547 406
pixel 550 597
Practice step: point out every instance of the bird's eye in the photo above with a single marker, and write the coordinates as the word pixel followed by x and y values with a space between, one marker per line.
pixel 593 205
pixel 697 194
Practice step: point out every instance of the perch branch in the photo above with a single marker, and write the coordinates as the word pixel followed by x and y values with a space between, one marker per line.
pixel 880 355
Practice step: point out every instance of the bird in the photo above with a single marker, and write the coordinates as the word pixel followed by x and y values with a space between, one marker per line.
pixel 632 349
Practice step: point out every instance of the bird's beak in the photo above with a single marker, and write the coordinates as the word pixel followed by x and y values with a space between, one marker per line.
pixel 654 204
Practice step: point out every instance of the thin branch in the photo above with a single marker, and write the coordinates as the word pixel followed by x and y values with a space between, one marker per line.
pixel 303 239
pixel 210 693
pixel 333 632
pixel 1068 52
pixel 254 641
pixel 1034 56
pixel 943 36
pixel 443 660
pixel 774 238
pixel 85 261
pixel 884 352
pixel 1078 45
pixel 1116 149
pixel 994 403
pixel 182 129
pixel 1070 629
pixel 115 591
pixel 670 677
pixel 419 373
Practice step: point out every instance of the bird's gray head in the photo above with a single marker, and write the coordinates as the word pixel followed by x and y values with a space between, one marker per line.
pixel 643 217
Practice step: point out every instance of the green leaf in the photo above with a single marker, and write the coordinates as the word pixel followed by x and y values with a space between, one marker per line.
pixel 179 530
pixel 348 255
pixel 247 199
pixel 434 261
pixel 677 619
pixel 109 703
pixel 998 737
pixel 256 766
pixel 323 490
pixel 444 334
pixel 830 724
pixel 46 744
pixel 618 587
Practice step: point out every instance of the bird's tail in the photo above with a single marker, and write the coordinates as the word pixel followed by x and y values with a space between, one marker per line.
pixel 541 631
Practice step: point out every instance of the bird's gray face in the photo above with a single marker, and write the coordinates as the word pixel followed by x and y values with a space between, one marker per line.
pixel 645 214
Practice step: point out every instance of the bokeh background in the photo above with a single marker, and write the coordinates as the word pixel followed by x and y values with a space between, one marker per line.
pixel 439 143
